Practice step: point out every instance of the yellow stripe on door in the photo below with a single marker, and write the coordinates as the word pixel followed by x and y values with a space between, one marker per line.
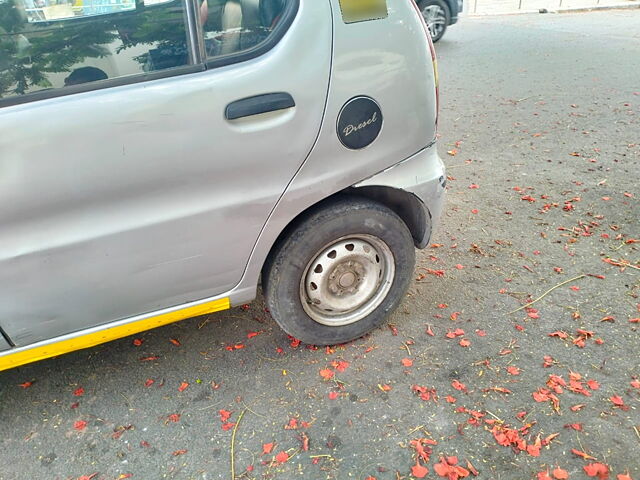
pixel 11 360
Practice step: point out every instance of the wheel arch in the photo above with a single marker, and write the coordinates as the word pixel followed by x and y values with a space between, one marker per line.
pixel 406 205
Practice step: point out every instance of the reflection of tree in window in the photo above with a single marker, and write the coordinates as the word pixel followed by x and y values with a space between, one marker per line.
pixel 33 54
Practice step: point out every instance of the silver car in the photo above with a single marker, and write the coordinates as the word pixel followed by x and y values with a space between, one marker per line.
pixel 159 157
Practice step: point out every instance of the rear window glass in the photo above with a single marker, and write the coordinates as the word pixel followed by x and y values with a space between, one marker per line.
pixel 55 44
pixel 234 26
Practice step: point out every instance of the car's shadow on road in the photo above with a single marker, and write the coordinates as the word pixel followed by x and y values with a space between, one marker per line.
pixel 149 399
pixel 196 351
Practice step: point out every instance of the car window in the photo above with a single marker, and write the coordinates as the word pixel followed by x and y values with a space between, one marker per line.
pixel 55 44
pixel 233 26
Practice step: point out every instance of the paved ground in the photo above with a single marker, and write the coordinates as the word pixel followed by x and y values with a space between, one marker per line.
pixel 493 7
pixel 543 115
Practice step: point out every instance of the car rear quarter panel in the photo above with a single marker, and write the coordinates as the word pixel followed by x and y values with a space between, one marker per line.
pixel 389 60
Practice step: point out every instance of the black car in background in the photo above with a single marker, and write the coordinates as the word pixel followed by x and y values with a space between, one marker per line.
pixel 439 14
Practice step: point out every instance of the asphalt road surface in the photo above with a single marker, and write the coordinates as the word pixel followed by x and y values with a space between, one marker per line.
pixel 541 119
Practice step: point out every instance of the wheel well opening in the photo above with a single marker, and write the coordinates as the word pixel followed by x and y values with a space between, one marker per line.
pixel 406 205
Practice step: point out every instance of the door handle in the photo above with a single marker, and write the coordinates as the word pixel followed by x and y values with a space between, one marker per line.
pixel 249 106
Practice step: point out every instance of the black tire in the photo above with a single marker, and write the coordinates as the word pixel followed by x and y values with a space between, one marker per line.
pixel 447 14
pixel 337 219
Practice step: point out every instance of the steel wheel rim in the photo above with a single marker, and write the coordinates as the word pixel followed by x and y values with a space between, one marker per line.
pixel 436 18
pixel 347 280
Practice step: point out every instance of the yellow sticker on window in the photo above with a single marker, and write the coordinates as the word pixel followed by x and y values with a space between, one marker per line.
pixel 363 10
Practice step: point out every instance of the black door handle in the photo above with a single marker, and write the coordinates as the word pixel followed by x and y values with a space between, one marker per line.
pixel 259 104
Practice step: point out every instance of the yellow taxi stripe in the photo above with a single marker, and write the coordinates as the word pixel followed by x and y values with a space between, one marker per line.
pixel 11 360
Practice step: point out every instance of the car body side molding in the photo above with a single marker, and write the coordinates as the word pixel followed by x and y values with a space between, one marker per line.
pixel 90 338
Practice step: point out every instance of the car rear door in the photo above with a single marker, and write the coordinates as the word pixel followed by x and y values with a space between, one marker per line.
pixel 149 194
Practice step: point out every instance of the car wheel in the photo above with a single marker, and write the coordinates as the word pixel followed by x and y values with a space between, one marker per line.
pixel 339 271
pixel 437 16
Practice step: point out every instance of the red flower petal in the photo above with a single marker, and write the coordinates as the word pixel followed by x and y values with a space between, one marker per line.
pixel 560 474
pixel 617 401
pixel 407 362
pixel 442 468
pixel 80 425
pixel 419 471
pixel 282 457
pixel 597 469
pixel 459 386
pixel 327 374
